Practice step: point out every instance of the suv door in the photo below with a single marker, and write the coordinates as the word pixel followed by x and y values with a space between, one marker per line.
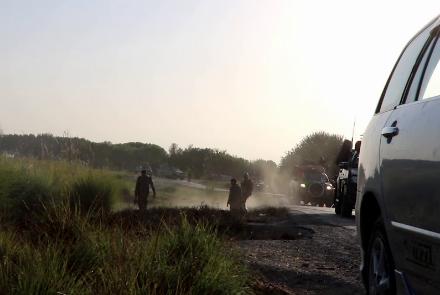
pixel 410 171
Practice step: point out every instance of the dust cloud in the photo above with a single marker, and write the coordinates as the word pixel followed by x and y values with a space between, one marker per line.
pixel 174 193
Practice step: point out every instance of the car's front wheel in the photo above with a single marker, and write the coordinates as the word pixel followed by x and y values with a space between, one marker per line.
pixel 381 278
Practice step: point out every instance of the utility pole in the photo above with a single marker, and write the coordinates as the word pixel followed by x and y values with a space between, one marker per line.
pixel 352 134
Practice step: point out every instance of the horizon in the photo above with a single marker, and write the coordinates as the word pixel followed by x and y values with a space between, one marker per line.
pixel 250 79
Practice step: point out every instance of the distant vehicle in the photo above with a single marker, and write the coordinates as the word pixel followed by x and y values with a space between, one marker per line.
pixel 398 199
pixel 346 184
pixel 171 172
pixel 261 186
pixel 313 185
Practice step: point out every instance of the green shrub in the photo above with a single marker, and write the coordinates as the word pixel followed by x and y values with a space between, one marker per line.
pixel 23 196
pixel 92 194
pixel 192 260
pixel 25 269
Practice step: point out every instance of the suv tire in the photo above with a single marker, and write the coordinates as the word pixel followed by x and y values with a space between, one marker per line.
pixel 379 262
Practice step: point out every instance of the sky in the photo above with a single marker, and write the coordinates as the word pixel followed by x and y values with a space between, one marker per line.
pixel 247 76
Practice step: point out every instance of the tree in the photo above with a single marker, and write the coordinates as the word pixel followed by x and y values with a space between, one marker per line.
pixel 174 149
pixel 320 148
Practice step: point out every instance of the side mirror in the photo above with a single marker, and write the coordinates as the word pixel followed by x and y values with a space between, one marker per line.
pixel 343 165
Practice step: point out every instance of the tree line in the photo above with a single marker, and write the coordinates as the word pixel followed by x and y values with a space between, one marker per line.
pixel 125 156
pixel 317 148
pixel 200 162
pixel 213 163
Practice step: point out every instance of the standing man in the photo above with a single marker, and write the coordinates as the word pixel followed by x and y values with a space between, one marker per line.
pixel 247 186
pixel 142 190
pixel 235 199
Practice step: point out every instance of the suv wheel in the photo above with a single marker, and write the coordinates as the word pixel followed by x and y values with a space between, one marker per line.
pixel 380 264
pixel 346 206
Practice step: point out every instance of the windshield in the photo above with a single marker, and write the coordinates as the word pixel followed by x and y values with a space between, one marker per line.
pixel 315 176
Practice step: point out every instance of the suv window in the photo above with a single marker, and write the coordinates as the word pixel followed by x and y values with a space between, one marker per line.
pixel 414 90
pixel 431 80
pixel 402 70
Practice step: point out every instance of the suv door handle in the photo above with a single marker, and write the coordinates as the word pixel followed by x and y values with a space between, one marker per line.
pixel 390 132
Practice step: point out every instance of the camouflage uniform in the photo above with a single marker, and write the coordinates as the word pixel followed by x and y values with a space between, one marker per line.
pixel 142 191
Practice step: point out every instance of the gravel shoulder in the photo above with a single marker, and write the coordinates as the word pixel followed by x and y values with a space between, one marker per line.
pixel 317 255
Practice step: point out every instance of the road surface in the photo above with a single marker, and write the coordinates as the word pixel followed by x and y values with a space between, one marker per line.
pixel 324 259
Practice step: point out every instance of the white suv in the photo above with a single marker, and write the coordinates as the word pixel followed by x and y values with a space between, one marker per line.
pixel 398 193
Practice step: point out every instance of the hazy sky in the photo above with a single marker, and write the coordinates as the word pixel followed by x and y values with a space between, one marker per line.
pixel 252 77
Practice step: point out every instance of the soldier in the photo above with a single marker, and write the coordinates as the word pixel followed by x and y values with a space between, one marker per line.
pixel 247 187
pixel 143 190
pixel 345 152
pixel 357 147
pixel 235 199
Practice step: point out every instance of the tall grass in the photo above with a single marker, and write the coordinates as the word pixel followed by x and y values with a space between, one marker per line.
pixel 184 260
pixel 25 269
pixel 92 193
pixel 25 185
pixel 58 235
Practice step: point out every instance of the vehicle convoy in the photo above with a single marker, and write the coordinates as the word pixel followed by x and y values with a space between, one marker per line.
pixel 313 185
pixel 346 182
pixel 398 197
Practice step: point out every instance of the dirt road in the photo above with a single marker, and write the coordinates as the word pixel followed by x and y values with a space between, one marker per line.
pixel 312 251
pixel 322 258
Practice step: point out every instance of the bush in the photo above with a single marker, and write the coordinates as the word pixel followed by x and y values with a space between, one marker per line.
pixel 92 194
pixel 192 260
pixel 27 185
pixel 22 195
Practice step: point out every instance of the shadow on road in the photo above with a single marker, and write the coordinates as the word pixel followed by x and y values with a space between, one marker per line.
pixel 301 218
pixel 307 282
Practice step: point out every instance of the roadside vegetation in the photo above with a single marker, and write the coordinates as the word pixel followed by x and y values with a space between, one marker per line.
pixel 211 167
pixel 204 163
pixel 59 234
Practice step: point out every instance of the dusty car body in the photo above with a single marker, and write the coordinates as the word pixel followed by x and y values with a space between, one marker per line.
pixel 398 197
